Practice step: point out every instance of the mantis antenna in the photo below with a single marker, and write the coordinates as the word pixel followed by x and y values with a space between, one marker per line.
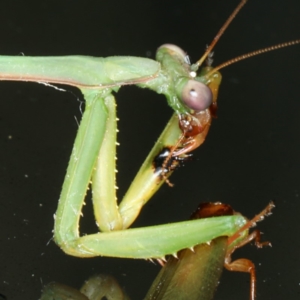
pixel 206 54
pixel 250 54
pixel 195 66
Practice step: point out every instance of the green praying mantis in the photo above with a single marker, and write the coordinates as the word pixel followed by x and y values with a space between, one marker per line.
pixel 67 218
pixel 193 98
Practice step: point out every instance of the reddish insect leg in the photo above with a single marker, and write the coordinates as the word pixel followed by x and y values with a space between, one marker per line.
pixel 243 264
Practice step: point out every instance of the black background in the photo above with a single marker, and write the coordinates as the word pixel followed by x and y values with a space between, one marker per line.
pixel 251 154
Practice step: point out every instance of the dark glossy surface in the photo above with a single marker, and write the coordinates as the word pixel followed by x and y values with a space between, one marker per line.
pixel 251 154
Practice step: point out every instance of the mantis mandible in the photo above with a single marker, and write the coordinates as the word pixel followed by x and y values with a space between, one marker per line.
pixel 191 96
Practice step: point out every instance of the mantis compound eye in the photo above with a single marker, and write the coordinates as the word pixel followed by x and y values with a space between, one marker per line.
pixel 196 95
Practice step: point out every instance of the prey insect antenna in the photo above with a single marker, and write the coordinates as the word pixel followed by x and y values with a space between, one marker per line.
pixel 218 36
pixel 251 54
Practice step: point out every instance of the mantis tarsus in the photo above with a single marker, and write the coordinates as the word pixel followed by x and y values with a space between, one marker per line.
pixel 246 38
